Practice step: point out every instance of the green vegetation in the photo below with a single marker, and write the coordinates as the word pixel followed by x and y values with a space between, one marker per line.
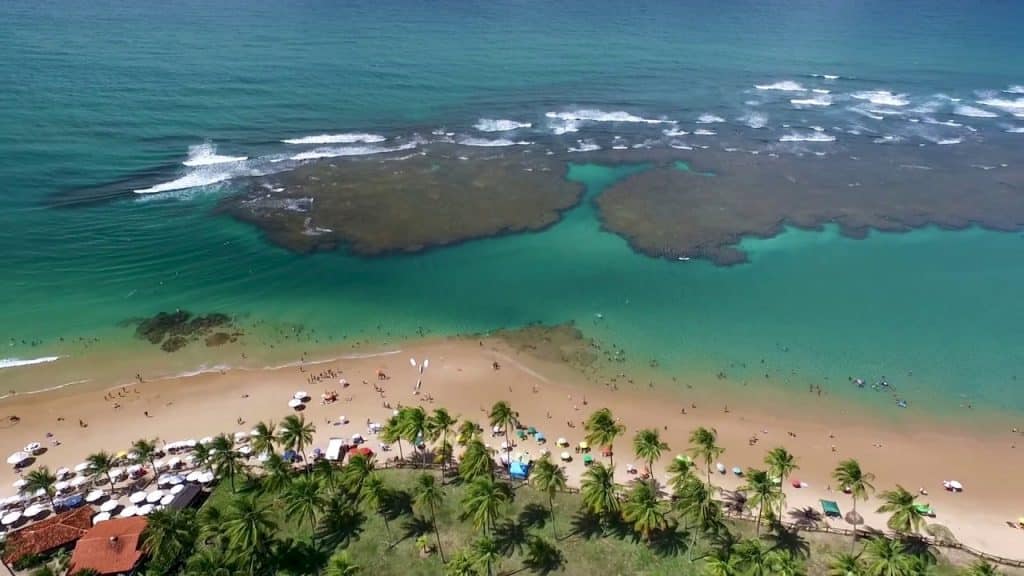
pixel 361 519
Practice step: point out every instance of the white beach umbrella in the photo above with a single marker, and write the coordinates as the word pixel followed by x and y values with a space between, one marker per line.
pixel 956 485
pixel 101 517
pixel 134 469
pixel 17 458
pixel 31 447
pixel 206 477
pixel 562 442
pixel 144 510
pixel 63 472
pixel 167 499
pixel 33 511
pixel 294 403
pixel 241 436
pixel 79 481
pixel 128 512
pixel 19 483
pixel 412 362
pixel 94 496
pixel 357 439
pixel 566 456
pixel 177 488
pixel 343 419
pixel 110 506
pixel 193 476
pixel 154 496
pixel 81 467
pixel 426 363
pixel 116 473
pixel 62 485
pixel 10 518
pixel 39 493
pixel 300 395
pixel 206 440
pixel 190 443
pixel 254 433
pixel 137 497
pixel 160 464
pixel 245 450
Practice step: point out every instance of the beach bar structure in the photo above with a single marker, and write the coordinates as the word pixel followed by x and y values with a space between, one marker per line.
pixel 111 547
pixel 336 449
pixel 49 535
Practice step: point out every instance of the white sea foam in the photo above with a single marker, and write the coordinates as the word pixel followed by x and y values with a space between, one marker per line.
pixel 754 119
pixel 709 119
pixel 346 138
pixel 890 139
pixel 1015 129
pixel 192 180
pixel 15 362
pixel 948 141
pixel 559 127
pixel 1005 104
pixel 349 151
pixel 784 86
pixel 584 146
pixel 206 155
pixel 827 76
pixel 1015 89
pixel 951 123
pixel 882 97
pixel 819 100
pixel 499 125
pixel 807 137
pixel 821 91
pixel 704 132
pixel 595 115
pixel 972 112
pixel 680 146
pixel 486 143
pixel 671 132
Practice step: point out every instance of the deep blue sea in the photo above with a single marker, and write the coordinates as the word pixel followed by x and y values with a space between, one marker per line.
pixel 123 122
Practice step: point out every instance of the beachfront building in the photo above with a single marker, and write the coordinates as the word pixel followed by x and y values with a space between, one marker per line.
pixel 111 547
pixel 47 536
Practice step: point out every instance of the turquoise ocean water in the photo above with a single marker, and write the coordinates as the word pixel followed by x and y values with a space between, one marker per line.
pixel 105 98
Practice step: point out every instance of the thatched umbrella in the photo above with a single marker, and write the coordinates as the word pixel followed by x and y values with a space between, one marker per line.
pixel 854 519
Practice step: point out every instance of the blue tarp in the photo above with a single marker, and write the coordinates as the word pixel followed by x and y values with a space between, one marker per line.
pixel 518 470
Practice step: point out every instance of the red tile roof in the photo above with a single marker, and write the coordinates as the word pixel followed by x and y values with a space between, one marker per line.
pixel 111 547
pixel 52 533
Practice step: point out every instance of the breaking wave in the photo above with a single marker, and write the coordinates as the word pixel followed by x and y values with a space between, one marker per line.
pixel 484 142
pixel 972 112
pixel 784 86
pixel 671 132
pixel 595 115
pixel 1005 104
pixel 350 151
pixel 499 125
pixel 815 136
pixel 819 100
pixel 754 120
pixel 15 362
pixel 882 97
pixel 206 155
pixel 346 138
pixel 709 119
pixel 584 146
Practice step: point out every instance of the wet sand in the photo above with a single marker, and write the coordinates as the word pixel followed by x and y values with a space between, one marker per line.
pixel 545 384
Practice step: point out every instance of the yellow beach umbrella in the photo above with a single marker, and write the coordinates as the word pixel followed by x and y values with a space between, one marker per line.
pixel 584 446
pixel 121 454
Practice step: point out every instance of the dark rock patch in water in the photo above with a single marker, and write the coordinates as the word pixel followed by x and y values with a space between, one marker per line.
pixel 173 331
pixel 376 206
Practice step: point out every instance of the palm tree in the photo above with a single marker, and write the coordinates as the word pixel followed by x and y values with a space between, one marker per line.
pixel 600 494
pixel 542 557
pixel 852 479
pixel 761 492
pixel 715 566
pixel 41 479
pixel 248 525
pixel 340 565
pixel 265 439
pixel 211 562
pixel 753 557
pixel 680 473
pixel 484 501
pixel 100 465
pixel 168 535
pixel 700 509
pixel 226 460
pixel 375 493
pixel 644 510
pixel 414 427
pixel 982 568
pixel 468 431
pixel 704 446
pixel 146 451
pixel 486 552
pixel 905 517
pixel 439 426
pixel 392 434
pixel 340 523
pixel 428 495
pixel 502 415
pixel 461 565
pixel 201 457
pixel 303 500
pixel 354 475
pixel 476 461
pixel 602 430
pixel 885 557
pixel 784 564
pixel 296 434
pixel 780 465
pixel 844 564
pixel 648 446
pixel 277 474
pixel 549 478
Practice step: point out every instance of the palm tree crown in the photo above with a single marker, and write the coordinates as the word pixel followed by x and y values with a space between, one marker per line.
pixel 905 517
pixel 704 446
pixel 602 430
pixel 550 479
pixel 648 446
pixel 41 479
pixel 296 434
pixel 600 494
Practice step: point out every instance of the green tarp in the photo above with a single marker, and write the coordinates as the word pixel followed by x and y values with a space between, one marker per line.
pixel 830 508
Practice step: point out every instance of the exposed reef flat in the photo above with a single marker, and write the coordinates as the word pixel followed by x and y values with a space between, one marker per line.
pixel 436 197
pixel 703 206
pixel 173 331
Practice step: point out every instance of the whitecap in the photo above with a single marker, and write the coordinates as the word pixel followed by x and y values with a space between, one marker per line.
pixel 584 146
pixel 754 120
pixel 972 112
pixel 819 100
pixel 821 91
pixel 680 146
pixel 206 154
pixel 807 137
pixel 1005 104
pixel 1015 129
pixel 888 139
pixel 826 76
pixel 15 362
pixel 500 125
pixel 703 132
pixel 784 86
pixel 948 141
pixel 670 132
pixel 346 138
pixel 350 151
pixel 484 142
pixel 595 115
pixel 709 119
pixel 559 127
pixel 192 180
pixel 951 123
pixel 1015 89
pixel 882 97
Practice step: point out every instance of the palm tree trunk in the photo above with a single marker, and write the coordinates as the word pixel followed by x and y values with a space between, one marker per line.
pixel 111 480
pixel 508 442
pixel 444 455
pixel 437 533
pixel 757 525
pixel 401 456
pixel 551 507
pixel 853 538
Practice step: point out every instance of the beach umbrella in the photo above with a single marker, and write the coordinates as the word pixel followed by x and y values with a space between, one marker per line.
pixel 137 497
pixel 412 362
pixel 956 486
pixel 167 499
pixel 588 459
pixel 566 456
pixel 254 432
pixel 33 511
pixel 300 395
pixel 174 462
pixel 31 447
pixel 294 403
pixel 737 470
pixel 17 458
pixel 63 472
pixel 584 446
pixel 10 518
pixel 116 473
pixel 81 467
pixel 206 440
pixel 854 519
pixel 19 483
pixel 154 496
pixel 206 477
pixel 357 439
pixel 133 455
pixel 121 454
pixel 343 419
pixel 128 512
pixel 94 496
pixel 540 438
pixel 245 450
pixel 62 485
pixel 176 488
pixel 110 506
pixel 544 452
pixel 101 517
pixel 241 437
pixel 79 481
pixel 562 442
pixel 720 467
pixel 193 476
pixel 134 468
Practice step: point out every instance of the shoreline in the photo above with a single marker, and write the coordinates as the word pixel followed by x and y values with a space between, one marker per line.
pixel 555 396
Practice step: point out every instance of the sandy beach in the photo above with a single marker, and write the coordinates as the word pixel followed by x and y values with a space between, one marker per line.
pixel 555 397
